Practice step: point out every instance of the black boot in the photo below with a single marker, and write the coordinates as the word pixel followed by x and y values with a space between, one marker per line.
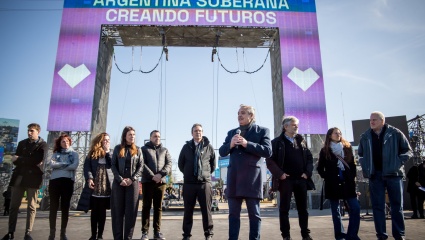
pixel 8 236
pixel 100 234
pixel 27 236
pixel 63 235
pixel 52 234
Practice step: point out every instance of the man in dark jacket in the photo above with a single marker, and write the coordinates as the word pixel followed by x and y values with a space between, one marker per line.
pixel 292 164
pixel 246 145
pixel 26 177
pixel 157 166
pixel 383 150
pixel 414 191
pixel 197 162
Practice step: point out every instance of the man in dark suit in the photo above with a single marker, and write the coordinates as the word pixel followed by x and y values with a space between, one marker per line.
pixel 197 162
pixel 246 145
pixel 292 164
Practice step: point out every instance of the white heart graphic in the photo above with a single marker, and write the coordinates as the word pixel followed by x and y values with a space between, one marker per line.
pixel 73 76
pixel 303 79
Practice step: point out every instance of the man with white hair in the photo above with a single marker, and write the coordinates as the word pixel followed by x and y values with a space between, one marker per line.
pixel 291 165
pixel 383 150
pixel 246 145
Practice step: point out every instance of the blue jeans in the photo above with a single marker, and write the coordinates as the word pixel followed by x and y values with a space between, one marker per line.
pixel 353 223
pixel 394 186
pixel 253 207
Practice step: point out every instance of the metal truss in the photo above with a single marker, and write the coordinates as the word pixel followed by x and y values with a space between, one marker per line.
pixel 417 138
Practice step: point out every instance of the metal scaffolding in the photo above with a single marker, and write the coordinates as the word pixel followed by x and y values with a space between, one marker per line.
pixel 417 138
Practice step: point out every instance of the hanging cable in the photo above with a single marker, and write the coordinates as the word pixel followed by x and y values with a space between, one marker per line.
pixel 238 71
pixel 141 71
pixel 245 59
pixel 125 99
pixel 216 104
pixel 165 101
pixel 158 125
pixel 213 97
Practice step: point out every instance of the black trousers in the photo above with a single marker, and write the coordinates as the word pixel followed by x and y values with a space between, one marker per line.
pixel 152 192
pixel 299 188
pixel 420 196
pixel 202 192
pixel 124 207
pixel 98 207
pixel 60 189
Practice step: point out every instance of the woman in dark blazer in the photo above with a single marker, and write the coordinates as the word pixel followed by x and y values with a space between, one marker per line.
pixel 127 165
pixel 96 194
pixel 336 165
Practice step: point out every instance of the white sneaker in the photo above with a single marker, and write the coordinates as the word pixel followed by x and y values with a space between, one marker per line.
pixel 144 236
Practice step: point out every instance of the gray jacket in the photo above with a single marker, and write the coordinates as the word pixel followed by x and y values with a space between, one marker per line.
pixel 157 160
pixel 118 165
pixel 64 164
pixel 395 152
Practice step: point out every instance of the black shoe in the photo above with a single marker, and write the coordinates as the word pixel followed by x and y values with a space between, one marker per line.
pixel 422 216
pixel 186 238
pixel 8 236
pixel 92 238
pixel 27 236
pixel 307 238
pixel 99 237
pixel 414 216
pixel 287 238
pixel 210 237
pixel 63 237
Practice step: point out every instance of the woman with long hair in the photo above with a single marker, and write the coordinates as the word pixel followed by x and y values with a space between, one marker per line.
pixel 96 194
pixel 127 165
pixel 64 162
pixel 336 165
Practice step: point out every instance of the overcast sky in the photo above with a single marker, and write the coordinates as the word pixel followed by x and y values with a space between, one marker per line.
pixel 373 58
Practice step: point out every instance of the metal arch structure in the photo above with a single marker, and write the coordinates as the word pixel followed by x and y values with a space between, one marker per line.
pixel 90 30
pixel 416 127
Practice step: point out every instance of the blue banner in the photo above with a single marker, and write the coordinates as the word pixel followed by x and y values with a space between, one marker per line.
pixel 1 154
pixel 261 5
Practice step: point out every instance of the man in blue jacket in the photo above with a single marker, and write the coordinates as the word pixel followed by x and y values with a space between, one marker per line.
pixel 246 145
pixel 383 150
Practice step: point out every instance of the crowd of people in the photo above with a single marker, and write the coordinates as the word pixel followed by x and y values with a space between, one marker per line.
pixel 112 178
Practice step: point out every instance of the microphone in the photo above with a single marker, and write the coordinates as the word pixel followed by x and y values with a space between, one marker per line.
pixel 238 131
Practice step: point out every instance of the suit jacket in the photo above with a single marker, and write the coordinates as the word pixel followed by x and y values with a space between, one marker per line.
pixel 27 172
pixel 118 165
pixel 244 178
